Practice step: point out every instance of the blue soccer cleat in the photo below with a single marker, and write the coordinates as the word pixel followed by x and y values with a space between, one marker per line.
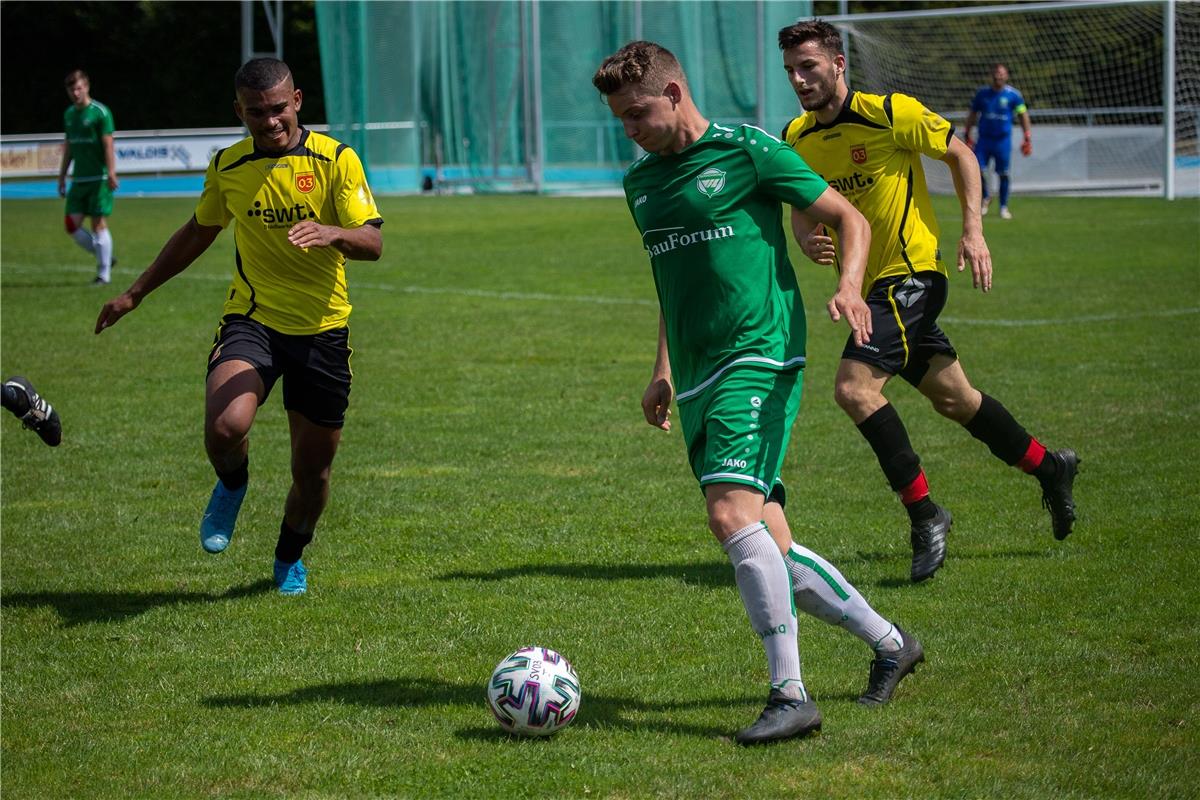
pixel 291 578
pixel 216 529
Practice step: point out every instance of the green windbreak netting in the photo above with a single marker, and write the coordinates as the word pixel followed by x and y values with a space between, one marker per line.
pixel 497 95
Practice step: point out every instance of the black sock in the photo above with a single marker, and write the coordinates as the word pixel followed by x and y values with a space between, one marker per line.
pixel 238 478
pixel 291 544
pixel 884 431
pixel 15 400
pixel 1047 470
pixel 921 510
pixel 995 427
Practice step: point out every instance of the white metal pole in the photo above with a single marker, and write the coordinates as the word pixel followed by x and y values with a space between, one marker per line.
pixel 760 87
pixel 539 163
pixel 844 11
pixel 1169 100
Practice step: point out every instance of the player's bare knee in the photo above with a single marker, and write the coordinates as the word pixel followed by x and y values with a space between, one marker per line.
pixel 309 480
pixel 70 225
pixel 947 406
pixel 852 397
pixel 958 406
pixel 224 434
pixel 725 519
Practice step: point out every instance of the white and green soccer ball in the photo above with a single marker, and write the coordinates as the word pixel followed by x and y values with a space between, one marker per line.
pixel 534 692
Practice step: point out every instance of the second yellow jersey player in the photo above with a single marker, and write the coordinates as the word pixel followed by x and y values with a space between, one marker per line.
pixel 870 154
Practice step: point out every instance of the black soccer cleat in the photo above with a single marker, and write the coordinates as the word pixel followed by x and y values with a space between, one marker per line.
pixel 1056 491
pixel 783 718
pixel 888 668
pixel 41 416
pixel 929 544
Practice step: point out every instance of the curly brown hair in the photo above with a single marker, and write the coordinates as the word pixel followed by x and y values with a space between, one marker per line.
pixel 640 63
pixel 812 30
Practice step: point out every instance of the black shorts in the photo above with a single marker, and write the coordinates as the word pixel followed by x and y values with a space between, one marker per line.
pixel 904 329
pixel 315 367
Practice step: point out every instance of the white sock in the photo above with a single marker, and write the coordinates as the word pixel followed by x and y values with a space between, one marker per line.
pixel 820 590
pixel 762 581
pixel 104 247
pixel 84 239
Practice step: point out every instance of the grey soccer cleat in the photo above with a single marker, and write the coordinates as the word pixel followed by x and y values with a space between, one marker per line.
pixel 888 668
pixel 929 544
pixel 1056 492
pixel 783 718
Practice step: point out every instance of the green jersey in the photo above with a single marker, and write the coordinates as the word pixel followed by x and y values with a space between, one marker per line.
pixel 85 129
pixel 712 223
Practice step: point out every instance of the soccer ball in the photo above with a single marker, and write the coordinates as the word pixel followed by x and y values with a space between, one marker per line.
pixel 534 692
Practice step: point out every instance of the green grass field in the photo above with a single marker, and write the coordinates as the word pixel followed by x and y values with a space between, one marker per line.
pixel 497 487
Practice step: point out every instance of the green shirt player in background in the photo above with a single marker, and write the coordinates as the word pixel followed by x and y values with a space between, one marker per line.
pixel 707 201
pixel 300 206
pixel 89 143
pixel 869 146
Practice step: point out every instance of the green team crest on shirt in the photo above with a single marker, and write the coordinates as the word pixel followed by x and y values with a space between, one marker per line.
pixel 710 182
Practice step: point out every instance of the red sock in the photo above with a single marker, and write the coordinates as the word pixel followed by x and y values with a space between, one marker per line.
pixel 1033 456
pixel 917 490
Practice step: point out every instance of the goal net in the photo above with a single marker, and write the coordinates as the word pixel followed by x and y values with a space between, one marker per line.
pixel 1092 74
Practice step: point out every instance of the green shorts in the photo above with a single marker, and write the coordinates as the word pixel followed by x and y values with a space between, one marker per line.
pixel 737 430
pixel 90 198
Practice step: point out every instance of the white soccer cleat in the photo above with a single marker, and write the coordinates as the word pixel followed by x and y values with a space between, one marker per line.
pixel 1005 213
pixel 983 209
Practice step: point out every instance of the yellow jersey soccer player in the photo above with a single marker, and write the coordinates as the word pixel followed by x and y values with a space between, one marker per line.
pixel 300 206
pixel 869 148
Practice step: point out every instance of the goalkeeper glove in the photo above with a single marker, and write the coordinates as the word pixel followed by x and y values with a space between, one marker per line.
pixel 1027 146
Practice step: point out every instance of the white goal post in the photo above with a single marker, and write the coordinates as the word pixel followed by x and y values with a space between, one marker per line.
pixel 1112 86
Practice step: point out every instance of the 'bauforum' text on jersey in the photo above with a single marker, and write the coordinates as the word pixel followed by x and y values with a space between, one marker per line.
pixel 674 240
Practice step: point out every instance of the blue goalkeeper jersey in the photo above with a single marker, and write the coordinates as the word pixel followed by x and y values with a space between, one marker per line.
pixel 996 110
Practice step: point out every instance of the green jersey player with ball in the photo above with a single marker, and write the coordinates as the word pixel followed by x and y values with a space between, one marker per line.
pixel 707 200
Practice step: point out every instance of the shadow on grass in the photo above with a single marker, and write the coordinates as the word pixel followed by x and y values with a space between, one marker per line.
pixel 953 554
pixel 899 581
pixel 596 710
pixel 81 608
pixel 714 574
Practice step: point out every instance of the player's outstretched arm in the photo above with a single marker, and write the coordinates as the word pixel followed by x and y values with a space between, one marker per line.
pixel 364 243
pixel 812 238
pixel 854 237
pixel 184 247
pixel 656 401
pixel 972 116
pixel 972 248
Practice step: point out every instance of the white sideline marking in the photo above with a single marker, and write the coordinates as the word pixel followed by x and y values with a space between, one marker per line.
pixel 613 301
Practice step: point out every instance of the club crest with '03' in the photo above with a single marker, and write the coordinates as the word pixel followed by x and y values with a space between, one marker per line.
pixel 858 153
pixel 305 181
pixel 710 182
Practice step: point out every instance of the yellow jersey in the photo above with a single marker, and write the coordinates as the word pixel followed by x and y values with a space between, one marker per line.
pixel 871 154
pixel 286 288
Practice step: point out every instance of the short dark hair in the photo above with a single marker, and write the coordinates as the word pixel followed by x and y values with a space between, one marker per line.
pixel 812 30
pixel 261 74
pixel 76 75
pixel 640 63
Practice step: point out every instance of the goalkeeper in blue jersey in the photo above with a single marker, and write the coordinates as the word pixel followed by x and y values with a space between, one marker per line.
pixel 994 108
